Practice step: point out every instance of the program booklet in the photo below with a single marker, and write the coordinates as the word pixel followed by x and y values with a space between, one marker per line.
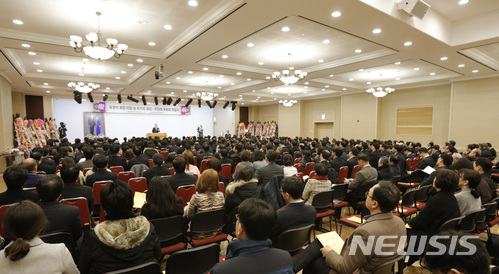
pixel 331 239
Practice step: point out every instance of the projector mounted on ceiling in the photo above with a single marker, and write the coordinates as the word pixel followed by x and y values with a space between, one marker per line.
pixel 416 8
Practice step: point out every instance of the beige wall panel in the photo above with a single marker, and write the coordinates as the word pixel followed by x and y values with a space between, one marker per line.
pixel 436 96
pixel 263 113
pixel 312 111
pixel 288 120
pixel 359 116
pixel 6 135
pixel 47 107
pixel 18 103
pixel 475 112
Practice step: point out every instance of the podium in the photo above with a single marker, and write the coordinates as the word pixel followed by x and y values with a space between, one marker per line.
pixel 160 135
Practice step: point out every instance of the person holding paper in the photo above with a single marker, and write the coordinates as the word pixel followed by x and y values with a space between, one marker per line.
pixel 381 226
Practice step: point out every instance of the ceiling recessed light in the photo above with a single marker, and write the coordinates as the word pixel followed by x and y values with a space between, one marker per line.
pixel 152 44
pixel 225 56
pixel 397 63
pixel 254 91
pixel 48 91
pixel 168 27
pixel 361 70
pixel 326 86
pixel 267 77
pixel 397 78
pixel 190 72
pixel 167 83
pixel 326 41
pixel 45 84
pixel 475 71
pixel 432 73
pixel 238 73
pixel 249 79
pixel 123 72
pixel 285 29
pixel 443 58
pixel 376 31
pixel 320 60
pixel 306 83
pixel 39 70
pixel 305 92
pixel 463 2
pixel 331 75
pixel 130 65
pixel 178 78
pixel 408 43
pixel 250 45
pixel 220 88
pixel 323 89
pixel 416 68
pixel 172 92
pixel 358 51
pixel 32 53
pixel 25 45
pixel 336 14
pixel 149 91
pixel 261 63
pixel 351 79
pixel 117 77
pixel 17 22
pixel 192 3
pixel 233 84
pixel 242 103
pixel 143 22
pixel 140 60
pixel 107 88
pixel 205 69
pixel 461 65
pixel 344 88
pixel 368 83
pixel 306 86
pixel 81 74
pixel 221 76
pixel 185 90
pixel 36 63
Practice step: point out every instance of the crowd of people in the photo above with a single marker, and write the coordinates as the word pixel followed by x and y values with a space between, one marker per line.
pixel 266 193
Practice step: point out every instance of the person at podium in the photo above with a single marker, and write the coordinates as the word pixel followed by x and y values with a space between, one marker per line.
pixel 155 129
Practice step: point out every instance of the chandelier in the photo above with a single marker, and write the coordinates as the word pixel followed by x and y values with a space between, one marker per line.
pixel 206 96
pixel 380 91
pixel 288 77
pixel 288 103
pixel 82 86
pixel 95 49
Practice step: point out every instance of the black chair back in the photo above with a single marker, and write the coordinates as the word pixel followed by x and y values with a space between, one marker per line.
pixel 422 194
pixel 468 224
pixel 150 267
pixel 323 199
pixel 340 192
pixel 451 224
pixel 294 239
pixel 194 260
pixel 409 198
pixel 491 211
pixel 208 221
pixel 169 230
pixel 60 237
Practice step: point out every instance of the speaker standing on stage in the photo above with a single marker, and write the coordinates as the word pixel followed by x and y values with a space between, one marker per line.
pixel 155 129
pixel 200 131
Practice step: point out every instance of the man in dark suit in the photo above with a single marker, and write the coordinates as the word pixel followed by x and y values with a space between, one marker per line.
pixel 157 170
pixel 155 129
pixel 62 218
pixel 352 160
pixel 426 159
pixel 337 161
pixel 115 159
pixel 225 159
pixel 296 213
pixel 324 158
pixel 138 159
pixel 180 178
pixel 375 154
pixel 265 173
pixel 46 164
pixel 72 189
pixel 88 152
pixel 31 166
pixel 14 177
pixel 101 173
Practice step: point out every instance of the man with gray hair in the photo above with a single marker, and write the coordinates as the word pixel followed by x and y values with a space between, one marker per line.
pixel 385 173
pixel 32 166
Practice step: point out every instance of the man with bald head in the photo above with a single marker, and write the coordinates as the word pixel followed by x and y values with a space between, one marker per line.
pixel 32 166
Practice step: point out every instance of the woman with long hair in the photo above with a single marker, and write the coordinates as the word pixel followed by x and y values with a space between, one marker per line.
pixel 161 201
pixel 469 198
pixel 190 167
pixel 27 253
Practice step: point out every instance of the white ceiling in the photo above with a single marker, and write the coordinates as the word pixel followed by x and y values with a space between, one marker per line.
pixel 191 52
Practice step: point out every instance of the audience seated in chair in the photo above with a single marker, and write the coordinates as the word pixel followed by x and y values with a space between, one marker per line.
pixel 382 199
pixel 116 159
pixel 317 184
pixel 61 217
pixel 245 162
pixel 161 201
pixel 190 167
pixel 14 177
pixel 243 187
pixel 251 252
pixel 69 174
pixel 121 241
pixel 27 253
pixel 99 171
pixel 180 178
pixel 385 173
pixel 31 166
pixel 207 197
pixel 215 164
pixel 157 170
pixel 264 174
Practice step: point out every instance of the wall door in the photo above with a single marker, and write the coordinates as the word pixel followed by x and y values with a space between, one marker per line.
pixel 322 130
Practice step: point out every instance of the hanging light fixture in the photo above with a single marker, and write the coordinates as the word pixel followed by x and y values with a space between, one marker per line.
pixel 206 96
pixel 288 103
pixel 95 49
pixel 82 86
pixel 380 91
pixel 288 77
